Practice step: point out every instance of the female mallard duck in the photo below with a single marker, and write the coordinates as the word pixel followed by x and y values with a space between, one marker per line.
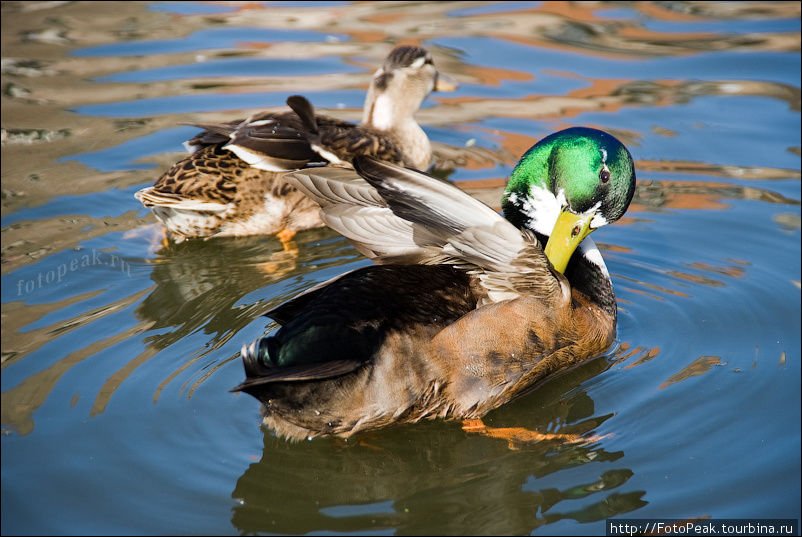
pixel 231 184
pixel 464 311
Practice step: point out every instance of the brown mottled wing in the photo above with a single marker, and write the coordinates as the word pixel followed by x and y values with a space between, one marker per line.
pixel 349 142
pixel 208 180
pixel 342 140
pixel 284 141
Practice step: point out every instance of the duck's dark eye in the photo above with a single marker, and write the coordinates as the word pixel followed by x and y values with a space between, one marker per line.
pixel 604 175
pixel 575 231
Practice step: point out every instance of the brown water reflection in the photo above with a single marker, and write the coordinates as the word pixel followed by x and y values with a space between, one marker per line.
pixel 700 366
pixel 196 287
pixel 20 402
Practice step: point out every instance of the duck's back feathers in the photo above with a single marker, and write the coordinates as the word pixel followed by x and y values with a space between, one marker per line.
pixel 305 112
pixel 257 374
pixel 273 144
pixel 285 141
pixel 207 176
pixel 212 134
pixel 340 325
pixel 339 142
pixel 270 141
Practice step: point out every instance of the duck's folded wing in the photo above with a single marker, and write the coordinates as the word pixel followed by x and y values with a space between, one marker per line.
pixel 420 219
pixel 258 374
pixel 354 208
pixel 271 146
pixel 267 141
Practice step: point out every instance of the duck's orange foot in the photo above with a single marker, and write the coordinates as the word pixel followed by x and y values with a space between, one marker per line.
pixel 284 260
pixel 368 445
pixel 361 442
pixel 287 244
pixel 154 234
pixel 280 265
pixel 519 435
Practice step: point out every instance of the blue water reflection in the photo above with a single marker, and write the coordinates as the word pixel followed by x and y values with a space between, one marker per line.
pixel 118 349
pixel 235 67
pixel 499 53
pixel 211 39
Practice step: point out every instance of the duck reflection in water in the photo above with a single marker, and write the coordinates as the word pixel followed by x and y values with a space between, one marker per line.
pixel 399 474
pixel 199 284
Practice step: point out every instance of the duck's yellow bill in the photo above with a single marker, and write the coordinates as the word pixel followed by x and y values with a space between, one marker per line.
pixel 568 232
pixel 445 83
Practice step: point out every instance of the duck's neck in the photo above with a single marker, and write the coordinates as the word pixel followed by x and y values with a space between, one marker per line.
pixel 587 272
pixel 394 115
pixel 538 210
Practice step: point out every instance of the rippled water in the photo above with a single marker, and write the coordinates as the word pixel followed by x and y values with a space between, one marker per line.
pixel 118 354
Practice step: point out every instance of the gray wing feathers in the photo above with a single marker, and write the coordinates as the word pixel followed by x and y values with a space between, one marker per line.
pixel 397 215
pixel 335 186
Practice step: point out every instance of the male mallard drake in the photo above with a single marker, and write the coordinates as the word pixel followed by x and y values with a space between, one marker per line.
pixel 231 184
pixel 464 311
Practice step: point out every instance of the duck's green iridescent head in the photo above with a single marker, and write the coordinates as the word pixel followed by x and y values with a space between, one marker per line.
pixel 567 185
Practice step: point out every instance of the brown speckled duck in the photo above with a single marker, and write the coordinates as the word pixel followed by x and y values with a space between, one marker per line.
pixel 464 309
pixel 231 184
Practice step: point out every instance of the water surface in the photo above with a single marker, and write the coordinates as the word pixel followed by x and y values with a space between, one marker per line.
pixel 118 354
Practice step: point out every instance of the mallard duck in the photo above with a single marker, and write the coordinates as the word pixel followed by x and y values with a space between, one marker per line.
pixel 231 183
pixel 464 309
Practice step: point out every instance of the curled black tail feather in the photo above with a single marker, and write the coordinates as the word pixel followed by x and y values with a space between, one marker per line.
pixel 256 358
pixel 260 371
pixel 305 111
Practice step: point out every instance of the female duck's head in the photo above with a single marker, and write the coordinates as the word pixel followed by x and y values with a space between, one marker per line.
pixel 567 185
pixel 400 86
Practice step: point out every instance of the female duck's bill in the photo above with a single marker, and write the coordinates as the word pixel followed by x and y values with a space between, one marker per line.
pixel 463 310
pixel 231 184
